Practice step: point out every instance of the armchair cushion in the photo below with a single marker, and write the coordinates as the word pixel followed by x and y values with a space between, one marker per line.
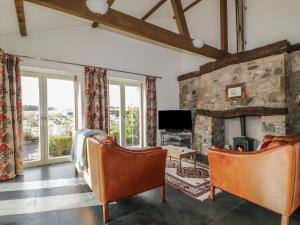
pixel 273 144
pixel 265 144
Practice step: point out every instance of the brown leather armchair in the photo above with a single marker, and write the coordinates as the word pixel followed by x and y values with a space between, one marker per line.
pixel 115 173
pixel 269 177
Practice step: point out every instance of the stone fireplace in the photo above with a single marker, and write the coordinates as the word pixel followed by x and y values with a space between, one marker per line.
pixel 271 75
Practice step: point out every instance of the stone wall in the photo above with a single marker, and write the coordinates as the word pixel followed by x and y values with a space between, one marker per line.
pixel 208 131
pixel 265 85
pixel 273 81
pixel 293 62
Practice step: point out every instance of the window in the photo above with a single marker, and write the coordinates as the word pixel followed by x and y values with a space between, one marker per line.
pixel 126 110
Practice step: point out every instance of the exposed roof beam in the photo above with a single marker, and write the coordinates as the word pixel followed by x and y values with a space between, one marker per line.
pixel 224 25
pixel 154 8
pixel 190 6
pixel 130 24
pixel 19 4
pixel 180 18
pixel 110 3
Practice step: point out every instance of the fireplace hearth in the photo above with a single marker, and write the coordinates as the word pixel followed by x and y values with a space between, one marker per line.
pixel 243 143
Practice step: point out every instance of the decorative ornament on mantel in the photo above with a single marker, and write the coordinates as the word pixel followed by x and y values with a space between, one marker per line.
pixel 198 43
pixel 97 6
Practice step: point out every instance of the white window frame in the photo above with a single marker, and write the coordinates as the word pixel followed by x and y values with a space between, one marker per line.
pixel 122 83
pixel 42 78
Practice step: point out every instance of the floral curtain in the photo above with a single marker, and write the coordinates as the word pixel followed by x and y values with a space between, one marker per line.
pixel 151 111
pixel 96 93
pixel 11 128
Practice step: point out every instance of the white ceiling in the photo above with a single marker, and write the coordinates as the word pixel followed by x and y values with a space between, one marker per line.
pixel 39 18
pixel 136 9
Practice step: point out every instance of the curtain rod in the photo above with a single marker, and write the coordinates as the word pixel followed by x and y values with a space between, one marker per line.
pixel 77 64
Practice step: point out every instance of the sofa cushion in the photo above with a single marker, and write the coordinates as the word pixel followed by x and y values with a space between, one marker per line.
pixel 265 144
pixel 275 143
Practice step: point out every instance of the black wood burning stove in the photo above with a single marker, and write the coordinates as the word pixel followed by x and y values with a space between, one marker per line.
pixel 243 143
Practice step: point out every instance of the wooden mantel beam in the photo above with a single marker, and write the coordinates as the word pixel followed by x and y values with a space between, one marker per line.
pixel 110 3
pixel 224 25
pixel 130 24
pixel 277 48
pixel 19 4
pixel 153 10
pixel 246 111
pixel 180 18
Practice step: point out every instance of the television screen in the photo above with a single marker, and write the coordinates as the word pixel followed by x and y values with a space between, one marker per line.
pixel 175 120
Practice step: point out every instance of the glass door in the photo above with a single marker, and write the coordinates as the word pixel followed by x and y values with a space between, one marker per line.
pixel 115 112
pixel 31 120
pixel 50 115
pixel 59 118
pixel 133 116
pixel 125 106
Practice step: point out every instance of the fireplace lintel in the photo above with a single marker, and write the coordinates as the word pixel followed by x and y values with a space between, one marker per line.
pixel 245 111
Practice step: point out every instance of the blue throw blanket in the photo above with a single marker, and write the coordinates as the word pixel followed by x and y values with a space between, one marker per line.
pixel 79 147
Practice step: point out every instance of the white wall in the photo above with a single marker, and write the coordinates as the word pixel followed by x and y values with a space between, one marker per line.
pixel 269 21
pixel 99 47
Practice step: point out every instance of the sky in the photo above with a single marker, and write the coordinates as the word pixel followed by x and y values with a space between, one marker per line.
pixel 60 92
pixel 132 95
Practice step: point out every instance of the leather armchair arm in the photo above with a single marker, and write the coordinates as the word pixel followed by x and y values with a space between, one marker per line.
pixel 262 177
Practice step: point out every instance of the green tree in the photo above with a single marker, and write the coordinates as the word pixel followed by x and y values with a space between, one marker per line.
pixel 132 126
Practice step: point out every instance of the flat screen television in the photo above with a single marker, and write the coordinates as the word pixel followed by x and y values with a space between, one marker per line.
pixel 175 120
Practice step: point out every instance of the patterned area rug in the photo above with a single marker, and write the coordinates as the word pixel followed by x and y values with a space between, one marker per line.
pixel 193 182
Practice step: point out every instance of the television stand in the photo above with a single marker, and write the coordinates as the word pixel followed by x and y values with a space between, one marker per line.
pixel 177 138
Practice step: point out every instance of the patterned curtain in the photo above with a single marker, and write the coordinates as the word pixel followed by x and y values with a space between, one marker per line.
pixel 11 128
pixel 96 90
pixel 151 111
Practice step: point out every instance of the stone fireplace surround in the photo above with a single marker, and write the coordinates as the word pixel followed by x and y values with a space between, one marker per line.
pixel 272 78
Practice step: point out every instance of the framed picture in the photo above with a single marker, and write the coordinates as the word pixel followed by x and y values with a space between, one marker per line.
pixel 235 92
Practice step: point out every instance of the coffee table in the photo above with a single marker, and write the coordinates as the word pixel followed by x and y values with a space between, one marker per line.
pixel 179 153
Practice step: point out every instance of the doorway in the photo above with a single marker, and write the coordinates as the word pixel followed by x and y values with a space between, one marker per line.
pixel 49 117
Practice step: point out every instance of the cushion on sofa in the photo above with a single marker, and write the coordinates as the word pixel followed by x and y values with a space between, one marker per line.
pixel 275 143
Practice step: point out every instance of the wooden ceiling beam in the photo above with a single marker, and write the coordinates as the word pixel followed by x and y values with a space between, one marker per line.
pixel 19 4
pixel 190 6
pixel 110 3
pixel 153 10
pixel 224 25
pixel 180 18
pixel 130 24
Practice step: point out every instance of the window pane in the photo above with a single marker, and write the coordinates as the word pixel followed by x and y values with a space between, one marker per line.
pixel 132 115
pixel 31 118
pixel 114 111
pixel 61 116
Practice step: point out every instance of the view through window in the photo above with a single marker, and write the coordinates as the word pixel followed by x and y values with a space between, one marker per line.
pixel 48 117
pixel 125 105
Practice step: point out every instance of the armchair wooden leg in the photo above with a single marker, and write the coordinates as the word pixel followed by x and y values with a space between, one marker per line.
pixel 285 220
pixel 105 209
pixel 163 193
pixel 212 192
